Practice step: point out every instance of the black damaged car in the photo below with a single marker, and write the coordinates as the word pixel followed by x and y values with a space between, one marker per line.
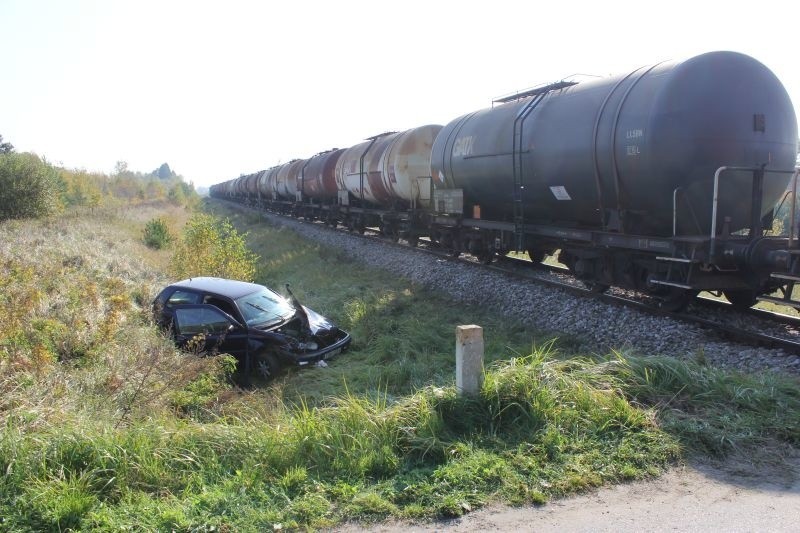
pixel 258 326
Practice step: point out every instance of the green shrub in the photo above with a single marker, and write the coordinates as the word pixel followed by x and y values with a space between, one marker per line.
pixel 156 234
pixel 212 247
pixel 29 187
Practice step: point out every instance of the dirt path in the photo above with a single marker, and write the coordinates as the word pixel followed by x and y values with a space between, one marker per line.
pixel 734 496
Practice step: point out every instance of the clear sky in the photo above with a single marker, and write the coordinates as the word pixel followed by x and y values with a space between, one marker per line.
pixel 217 89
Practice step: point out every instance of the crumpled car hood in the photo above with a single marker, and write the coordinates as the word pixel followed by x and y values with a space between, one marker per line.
pixel 317 322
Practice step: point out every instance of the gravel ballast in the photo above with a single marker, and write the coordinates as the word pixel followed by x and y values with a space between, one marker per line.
pixel 599 327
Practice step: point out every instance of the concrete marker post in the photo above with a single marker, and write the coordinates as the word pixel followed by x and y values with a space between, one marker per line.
pixel 469 360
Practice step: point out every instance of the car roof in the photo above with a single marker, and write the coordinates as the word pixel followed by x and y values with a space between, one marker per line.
pixel 225 287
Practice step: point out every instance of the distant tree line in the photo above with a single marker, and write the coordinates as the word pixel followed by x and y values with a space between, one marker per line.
pixel 32 187
pixel 162 183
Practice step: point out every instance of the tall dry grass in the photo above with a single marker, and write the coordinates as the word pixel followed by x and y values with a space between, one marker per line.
pixel 77 342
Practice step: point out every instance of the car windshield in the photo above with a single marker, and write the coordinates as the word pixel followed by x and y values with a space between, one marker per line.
pixel 264 307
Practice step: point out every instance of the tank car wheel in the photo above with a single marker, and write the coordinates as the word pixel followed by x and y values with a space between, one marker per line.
pixel 413 241
pixel 267 366
pixel 486 257
pixel 741 299
pixel 595 287
pixel 456 247
pixel 536 256
pixel 675 299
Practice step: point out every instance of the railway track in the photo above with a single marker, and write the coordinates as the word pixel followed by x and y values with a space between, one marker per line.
pixel 538 273
pixel 641 303
pixel 575 287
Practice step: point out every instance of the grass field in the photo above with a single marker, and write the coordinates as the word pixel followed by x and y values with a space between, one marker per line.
pixel 106 426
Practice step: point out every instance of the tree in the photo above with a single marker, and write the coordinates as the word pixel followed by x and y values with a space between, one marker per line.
pixel 164 172
pixel 212 247
pixel 81 188
pixel 156 234
pixel 5 148
pixel 29 187
pixel 121 167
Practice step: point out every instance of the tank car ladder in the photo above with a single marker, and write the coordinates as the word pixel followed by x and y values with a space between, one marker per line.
pixel 672 264
pixel 538 94
pixel 675 261
pixel 787 289
pixel 519 187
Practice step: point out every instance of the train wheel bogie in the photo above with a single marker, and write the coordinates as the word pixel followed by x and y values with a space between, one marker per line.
pixel 596 287
pixel 741 299
pixel 536 256
pixel 486 257
pixel 674 299
pixel 390 230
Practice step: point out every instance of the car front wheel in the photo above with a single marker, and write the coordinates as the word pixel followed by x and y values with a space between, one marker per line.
pixel 267 366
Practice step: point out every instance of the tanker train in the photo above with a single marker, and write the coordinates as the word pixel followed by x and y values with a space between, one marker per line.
pixel 664 180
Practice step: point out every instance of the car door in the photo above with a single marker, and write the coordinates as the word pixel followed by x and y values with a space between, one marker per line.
pixel 203 328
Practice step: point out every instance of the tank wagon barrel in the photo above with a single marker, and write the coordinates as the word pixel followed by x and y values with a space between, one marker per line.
pixel 267 184
pixel 250 185
pixel 405 164
pixel 286 179
pixel 358 169
pixel 318 177
pixel 390 167
pixel 610 153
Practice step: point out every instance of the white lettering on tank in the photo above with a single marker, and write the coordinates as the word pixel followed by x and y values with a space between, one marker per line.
pixel 560 192
pixel 632 150
pixel 634 134
pixel 463 146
